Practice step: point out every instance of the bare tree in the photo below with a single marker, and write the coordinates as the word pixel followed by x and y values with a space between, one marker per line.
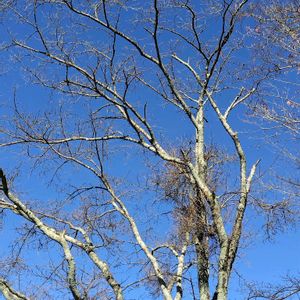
pixel 122 71
pixel 277 34
pixel 277 31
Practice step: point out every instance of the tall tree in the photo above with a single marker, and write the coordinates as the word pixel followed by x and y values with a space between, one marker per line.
pixel 146 88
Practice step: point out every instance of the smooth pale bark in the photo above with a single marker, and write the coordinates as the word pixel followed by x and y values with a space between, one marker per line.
pixel 61 238
pixel 9 293
pixel 71 270
pixel 119 206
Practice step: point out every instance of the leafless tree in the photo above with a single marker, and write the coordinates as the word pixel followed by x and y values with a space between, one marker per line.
pixel 277 111
pixel 289 288
pixel 277 33
pixel 123 70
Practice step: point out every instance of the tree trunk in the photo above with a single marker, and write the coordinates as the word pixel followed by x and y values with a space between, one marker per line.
pixel 202 252
pixel 223 274
pixel 201 239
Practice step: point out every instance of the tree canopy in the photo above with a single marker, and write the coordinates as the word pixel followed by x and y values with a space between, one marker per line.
pixel 146 146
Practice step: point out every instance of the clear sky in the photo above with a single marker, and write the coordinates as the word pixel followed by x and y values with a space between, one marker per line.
pixel 260 259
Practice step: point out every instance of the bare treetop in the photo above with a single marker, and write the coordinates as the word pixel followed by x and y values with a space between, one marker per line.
pixel 142 136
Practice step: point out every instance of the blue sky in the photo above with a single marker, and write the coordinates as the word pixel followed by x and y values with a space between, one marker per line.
pixel 260 261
